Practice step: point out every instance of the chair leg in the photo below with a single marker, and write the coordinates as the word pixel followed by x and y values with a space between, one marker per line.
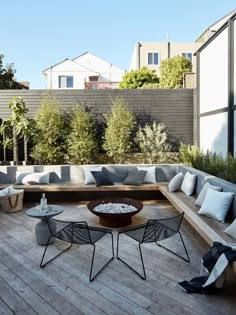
pixel 91 278
pixel 41 263
pixel 169 250
pixel 142 276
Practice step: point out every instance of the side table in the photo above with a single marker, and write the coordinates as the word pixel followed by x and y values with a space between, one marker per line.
pixel 42 231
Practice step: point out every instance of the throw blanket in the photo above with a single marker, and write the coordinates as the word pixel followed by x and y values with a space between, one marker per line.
pixel 215 263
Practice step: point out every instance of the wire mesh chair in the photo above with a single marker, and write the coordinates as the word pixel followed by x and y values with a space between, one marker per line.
pixel 78 233
pixel 153 231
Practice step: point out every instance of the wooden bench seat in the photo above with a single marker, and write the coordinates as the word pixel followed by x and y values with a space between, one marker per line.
pixel 211 230
pixel 82 187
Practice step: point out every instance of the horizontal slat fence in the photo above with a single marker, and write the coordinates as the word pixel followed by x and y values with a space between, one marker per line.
pixel 172 107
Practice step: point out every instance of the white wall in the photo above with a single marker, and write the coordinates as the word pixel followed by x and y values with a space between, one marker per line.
pixel 214 74
pixel 214 133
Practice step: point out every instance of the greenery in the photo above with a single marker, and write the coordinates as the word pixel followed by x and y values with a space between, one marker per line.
pixel 153 142
pixel 7 77
pixel 137 78
pixel 119 126
pixel 20 123
pixel 209 162
pixel 172 70
pixel 49 139
pixel 82 144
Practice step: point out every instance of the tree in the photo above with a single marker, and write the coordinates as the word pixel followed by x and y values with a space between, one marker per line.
pixel 7 77
pixel 137 78
pixel 50 136
pixel 19 122
pixel 153 142
pixel 172 71
pixel 120 123
pixel 82 144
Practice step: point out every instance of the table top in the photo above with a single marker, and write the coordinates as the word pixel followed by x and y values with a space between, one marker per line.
pixel 51 211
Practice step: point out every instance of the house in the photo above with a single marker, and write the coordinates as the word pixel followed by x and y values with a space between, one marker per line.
pixel 216 89
pixel 86 71
pixel 150 54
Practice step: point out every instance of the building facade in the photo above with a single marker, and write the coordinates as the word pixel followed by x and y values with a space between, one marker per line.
pixel 151 54
pixel 86 71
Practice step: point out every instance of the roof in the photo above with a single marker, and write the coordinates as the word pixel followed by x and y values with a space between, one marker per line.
pixel 218 24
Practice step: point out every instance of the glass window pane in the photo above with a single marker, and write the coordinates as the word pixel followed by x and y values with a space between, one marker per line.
pixel 69 82
pixel 155 58
pixel 150 58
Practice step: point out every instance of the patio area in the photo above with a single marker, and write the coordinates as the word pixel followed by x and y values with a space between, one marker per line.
pixel 63 286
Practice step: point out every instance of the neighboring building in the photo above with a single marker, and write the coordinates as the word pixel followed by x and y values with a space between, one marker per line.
pixel 216 89
pixel 84 72
pixel 152 54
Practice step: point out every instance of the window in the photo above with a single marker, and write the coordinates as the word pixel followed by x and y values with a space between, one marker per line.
pixel 66 82
pixel 153 58
pixel 188 55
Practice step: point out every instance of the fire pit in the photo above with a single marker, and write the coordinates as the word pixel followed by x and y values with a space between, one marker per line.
pixel 115 212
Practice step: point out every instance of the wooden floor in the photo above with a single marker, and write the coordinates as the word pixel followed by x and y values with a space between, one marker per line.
pixel 63 287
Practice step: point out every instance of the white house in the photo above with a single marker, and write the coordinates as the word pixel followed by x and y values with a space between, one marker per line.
pixel 86 71
pixel 216 88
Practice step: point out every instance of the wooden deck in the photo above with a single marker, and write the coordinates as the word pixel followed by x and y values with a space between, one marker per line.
pixel 63 286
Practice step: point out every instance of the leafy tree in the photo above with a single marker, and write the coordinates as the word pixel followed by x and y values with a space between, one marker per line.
pixel 19 122
pixel 172 70
pixel 6 132
pixel 50 136
pixel 7 77
pixel 82 144
pixel 120 123
pixel 137 78
pixel 153 142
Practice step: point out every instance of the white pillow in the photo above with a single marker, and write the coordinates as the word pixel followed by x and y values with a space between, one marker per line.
pixel 9 190
pixel 150 177
pixel 203 192
pixel 89 179
pixel 6 191
pixel 175 182
pixel 231 230
pixel 36 178
pixel 216 204
pixel 20 176
pixel 188 183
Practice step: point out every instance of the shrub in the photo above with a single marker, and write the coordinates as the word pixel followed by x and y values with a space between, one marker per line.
pixel 153 143
pixel 137 78
pixel 119 126
pixel 209 162
pixel 49 139
pixel 172 70
pixel 81 142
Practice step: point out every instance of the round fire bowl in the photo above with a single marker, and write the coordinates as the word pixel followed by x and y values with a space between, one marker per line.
pixel 115 219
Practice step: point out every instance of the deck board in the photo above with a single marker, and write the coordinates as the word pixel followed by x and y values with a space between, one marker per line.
pixel 62 287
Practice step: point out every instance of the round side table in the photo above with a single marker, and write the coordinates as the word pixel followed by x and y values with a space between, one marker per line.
pixel 42 231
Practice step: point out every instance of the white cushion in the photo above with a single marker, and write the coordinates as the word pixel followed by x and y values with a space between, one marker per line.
pixel 9 190
pixel 20 176
pixel 216 204
pixel 231 230
pixel 189 183
pixel 176 182
pixel 150 177
pixel 89 178
pixel 36 178
pixel 5 191
pixel 203 192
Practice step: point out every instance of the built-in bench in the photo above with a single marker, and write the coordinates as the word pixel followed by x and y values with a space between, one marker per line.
pixel 210 229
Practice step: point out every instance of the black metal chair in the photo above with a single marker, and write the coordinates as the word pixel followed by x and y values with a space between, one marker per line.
pixel 77 233
pixel 153 231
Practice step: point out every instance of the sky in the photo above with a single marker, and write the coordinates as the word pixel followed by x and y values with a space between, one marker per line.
pixel 38 34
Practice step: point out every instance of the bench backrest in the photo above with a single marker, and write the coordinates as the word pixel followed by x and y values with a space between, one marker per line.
pixel 203 177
